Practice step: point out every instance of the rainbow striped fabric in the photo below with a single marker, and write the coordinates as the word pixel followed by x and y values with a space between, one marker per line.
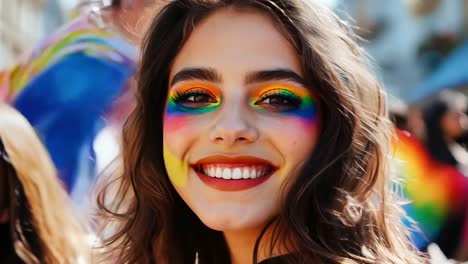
pixel 67 86
pixel 433 190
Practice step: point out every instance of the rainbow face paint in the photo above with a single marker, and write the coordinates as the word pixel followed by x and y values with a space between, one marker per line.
pixel 433 189
pixel 177 169
pixel 285 99
pixel 183 103
pixel 193 99
pixel 188 101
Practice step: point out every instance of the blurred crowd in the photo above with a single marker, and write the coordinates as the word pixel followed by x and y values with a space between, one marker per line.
pixel 54 88
pixel 433 136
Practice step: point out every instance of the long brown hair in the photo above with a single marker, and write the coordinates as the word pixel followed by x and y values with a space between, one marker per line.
pixel 339 209
pixel 43 226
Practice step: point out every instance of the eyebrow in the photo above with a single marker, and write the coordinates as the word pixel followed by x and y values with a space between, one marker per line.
pixel 211 75
pixel 274 75
pixel 203 74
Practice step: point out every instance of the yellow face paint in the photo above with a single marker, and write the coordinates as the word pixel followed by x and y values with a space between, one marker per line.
pixel 177 170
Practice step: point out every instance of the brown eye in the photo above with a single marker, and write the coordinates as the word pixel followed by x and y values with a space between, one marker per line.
pixel 195 98
pixel 200 98
pixel 279 100
pixel 276 101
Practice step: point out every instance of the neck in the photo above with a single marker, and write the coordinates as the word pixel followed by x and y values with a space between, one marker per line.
pixel 241 245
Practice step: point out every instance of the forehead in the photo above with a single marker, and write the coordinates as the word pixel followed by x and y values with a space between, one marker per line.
pixel 236 41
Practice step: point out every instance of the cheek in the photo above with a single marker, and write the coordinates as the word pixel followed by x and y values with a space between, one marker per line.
pixel 300 134
pixel 173 123
pixel 179 133
pixel 176 168
pixel 295 138
pixel 174 119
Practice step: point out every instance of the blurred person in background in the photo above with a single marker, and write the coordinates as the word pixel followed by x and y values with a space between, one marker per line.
pixel 429 216
pixel 37 223
pixel 445 122
pixel 77 82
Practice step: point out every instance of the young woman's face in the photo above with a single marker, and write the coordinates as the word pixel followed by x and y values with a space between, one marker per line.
pixel 239 121
pixel 454 123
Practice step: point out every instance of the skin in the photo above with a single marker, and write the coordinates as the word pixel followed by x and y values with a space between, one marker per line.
pixel 235 118
pixel 454 123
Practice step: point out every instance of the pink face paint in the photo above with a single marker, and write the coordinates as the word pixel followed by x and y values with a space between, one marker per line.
pixel 187 101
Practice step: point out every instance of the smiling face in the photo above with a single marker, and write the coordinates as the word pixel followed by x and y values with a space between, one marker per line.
pixel 239 121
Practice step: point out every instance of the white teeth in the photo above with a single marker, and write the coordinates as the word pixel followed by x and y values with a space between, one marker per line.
pixel 245 173
pixel 251 172
pixel 227 174
pixel 237 174
pixel 219 173
pixel 259 172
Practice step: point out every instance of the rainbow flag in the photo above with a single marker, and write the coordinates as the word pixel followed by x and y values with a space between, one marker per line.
pixel 433 190
pixel 68 86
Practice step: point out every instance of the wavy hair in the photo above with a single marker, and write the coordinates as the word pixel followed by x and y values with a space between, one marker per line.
pixel 339 208
pixel 43 226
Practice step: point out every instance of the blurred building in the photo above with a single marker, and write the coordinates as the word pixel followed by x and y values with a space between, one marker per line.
pixel 408 39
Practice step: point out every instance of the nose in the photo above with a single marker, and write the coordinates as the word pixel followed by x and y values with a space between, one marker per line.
pixel 232 127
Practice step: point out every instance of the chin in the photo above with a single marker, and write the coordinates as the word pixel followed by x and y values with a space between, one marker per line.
pixel 221 224
pixel 230 221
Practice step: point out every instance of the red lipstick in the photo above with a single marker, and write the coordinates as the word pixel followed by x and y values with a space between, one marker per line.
pixel 237 173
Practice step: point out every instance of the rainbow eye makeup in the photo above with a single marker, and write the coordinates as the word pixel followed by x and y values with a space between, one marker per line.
pixel 285 99
pixel 278 100
pixel 193 100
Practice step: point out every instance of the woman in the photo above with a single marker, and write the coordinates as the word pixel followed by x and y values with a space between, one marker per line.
pixel 259 136
pixel 445 122
pixel 36 221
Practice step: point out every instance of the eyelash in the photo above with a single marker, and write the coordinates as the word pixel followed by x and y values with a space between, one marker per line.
pixel 182 97
pixel 293 101
pixel 289 100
